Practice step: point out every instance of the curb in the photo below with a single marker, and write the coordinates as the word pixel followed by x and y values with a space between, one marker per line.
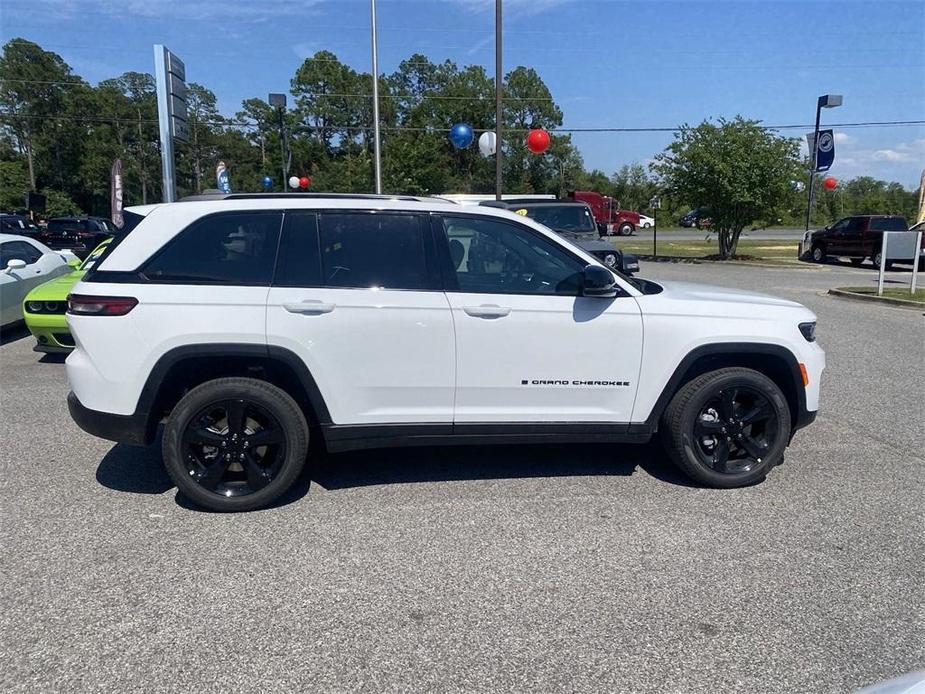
pixel 854 296
pixel 740 263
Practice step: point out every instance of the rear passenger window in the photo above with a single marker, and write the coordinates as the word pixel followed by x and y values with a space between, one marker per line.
pixel 373 250
pixel 234 249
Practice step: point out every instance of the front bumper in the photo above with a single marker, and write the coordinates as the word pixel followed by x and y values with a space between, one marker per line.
pixel 50 331
pixel 132 429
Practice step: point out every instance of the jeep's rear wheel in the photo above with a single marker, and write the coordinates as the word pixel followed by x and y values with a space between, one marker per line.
pixel 727 428
pixel 235 444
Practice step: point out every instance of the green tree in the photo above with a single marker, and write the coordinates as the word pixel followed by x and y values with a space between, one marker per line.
pixel 633 187
pixel 738 169
pixel 14 184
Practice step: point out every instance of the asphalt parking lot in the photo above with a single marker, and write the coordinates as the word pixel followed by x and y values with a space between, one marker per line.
pixel 568 568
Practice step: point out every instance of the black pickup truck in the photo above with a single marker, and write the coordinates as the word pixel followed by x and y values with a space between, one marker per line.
pixel 857 238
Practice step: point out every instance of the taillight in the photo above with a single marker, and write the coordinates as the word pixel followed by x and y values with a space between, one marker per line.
pixel 82 305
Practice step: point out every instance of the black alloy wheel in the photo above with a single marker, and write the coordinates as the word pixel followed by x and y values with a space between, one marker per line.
pixel 233 447
pixel 735 430
pixel 727 428
pixel 235 444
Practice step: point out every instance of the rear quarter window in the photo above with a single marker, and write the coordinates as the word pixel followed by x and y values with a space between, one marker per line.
pixel 889 224
pixel 229 248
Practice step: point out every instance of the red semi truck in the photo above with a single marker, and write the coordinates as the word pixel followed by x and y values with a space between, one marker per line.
pixel 607 213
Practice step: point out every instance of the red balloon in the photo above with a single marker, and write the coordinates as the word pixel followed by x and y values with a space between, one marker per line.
pixel 830 182
pixel 538 141
pixel 305 182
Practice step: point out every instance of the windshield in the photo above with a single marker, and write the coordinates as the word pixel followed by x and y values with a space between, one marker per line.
pixel 575 218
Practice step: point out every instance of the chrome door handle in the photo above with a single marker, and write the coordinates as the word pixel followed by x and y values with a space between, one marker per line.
pixel 487 311
pixel 309 307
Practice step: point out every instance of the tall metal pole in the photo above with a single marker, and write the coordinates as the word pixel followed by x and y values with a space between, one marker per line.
pixel 377 151
pixel 812 167
pixel 499 112
pixel 282 149
pixel 163 121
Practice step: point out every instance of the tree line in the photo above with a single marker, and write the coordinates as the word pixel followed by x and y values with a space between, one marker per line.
pixel 59 135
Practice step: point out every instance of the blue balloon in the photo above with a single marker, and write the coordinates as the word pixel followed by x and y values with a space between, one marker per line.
pixel 267 181
pixel 461 135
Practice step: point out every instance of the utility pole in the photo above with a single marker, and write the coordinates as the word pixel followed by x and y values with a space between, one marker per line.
pixel 279 101
pixel 377 145
pixel 499 109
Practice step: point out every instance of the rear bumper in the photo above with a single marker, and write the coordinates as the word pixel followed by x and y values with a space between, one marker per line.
pixel 132 428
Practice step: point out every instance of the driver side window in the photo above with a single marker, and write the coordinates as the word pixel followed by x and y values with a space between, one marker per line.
pixel 495 257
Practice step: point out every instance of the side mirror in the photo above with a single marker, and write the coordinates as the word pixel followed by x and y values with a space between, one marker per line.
pixel 75 263
pixel 15 264
pixel 596 281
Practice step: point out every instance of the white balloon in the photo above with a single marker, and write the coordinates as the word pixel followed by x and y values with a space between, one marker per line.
pixel 293 181
pixel 488 144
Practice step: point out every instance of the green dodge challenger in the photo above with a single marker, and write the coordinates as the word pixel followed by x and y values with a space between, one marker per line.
pixel 44 307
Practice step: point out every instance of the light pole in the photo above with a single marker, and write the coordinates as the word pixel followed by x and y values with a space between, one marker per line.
pixel 279 102
pixel 499 109
pixel 377 151
pixel 824 101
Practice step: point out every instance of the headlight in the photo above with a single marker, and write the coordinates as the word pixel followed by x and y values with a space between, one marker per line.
pixel 809 331
pixel 53 307
pixel 610 260
pixel 34 306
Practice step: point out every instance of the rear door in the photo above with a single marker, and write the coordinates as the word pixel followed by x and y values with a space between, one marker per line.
pixel 529 347
pixel 357 297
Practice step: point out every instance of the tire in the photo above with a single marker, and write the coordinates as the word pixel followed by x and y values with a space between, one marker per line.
pixel 857 261
pixel 817 253
pixel 646 226
pixel 626 229
pixel 876 262
pixel 201 425
pixel 696 430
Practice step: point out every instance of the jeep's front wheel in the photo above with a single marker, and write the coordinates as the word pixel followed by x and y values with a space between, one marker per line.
pixel 235 444
pixel 727 428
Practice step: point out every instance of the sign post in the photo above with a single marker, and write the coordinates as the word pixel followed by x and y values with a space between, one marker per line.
pixel 656 204
pixel 170 73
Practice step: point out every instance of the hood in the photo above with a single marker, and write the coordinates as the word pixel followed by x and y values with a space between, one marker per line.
pixel 691 291
pixel 56 289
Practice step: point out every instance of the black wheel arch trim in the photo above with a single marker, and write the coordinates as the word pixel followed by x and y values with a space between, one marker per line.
pixel 799 414
pixel 145 410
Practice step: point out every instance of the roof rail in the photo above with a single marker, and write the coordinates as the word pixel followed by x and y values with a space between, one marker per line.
pixel 296 196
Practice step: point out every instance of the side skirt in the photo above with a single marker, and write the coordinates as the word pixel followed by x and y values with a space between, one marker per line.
pixel 349 437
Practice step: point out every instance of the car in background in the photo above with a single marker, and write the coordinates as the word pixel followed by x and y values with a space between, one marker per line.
pixel 44 307
pixel 646 222
pixel 857 237
pixel 698 218
pixel 81 234
pixel 25 264
pixel 575 222
pixel 18 224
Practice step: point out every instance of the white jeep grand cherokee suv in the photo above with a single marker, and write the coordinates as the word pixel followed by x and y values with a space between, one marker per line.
pixel 245 322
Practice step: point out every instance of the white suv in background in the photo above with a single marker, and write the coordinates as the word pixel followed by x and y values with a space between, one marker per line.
pixel 247 323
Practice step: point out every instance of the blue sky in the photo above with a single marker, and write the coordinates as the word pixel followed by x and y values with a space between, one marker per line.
pixel 608 63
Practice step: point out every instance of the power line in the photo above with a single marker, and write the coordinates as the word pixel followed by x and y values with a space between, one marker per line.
pixel 613 129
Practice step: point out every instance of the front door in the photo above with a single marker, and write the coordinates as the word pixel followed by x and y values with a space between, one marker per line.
pixel 529 347
pixel 358 298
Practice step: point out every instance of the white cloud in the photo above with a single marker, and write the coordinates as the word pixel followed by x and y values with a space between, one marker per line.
pixel 891 155
pixel 844 139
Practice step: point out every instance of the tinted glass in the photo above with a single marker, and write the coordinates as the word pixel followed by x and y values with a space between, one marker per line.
pixel 563 218
pixel 299 263
pixel 55 225
pixel 373 250
pixel 502 258
pixel 888 224
pixel 20 250
pixel 235 249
